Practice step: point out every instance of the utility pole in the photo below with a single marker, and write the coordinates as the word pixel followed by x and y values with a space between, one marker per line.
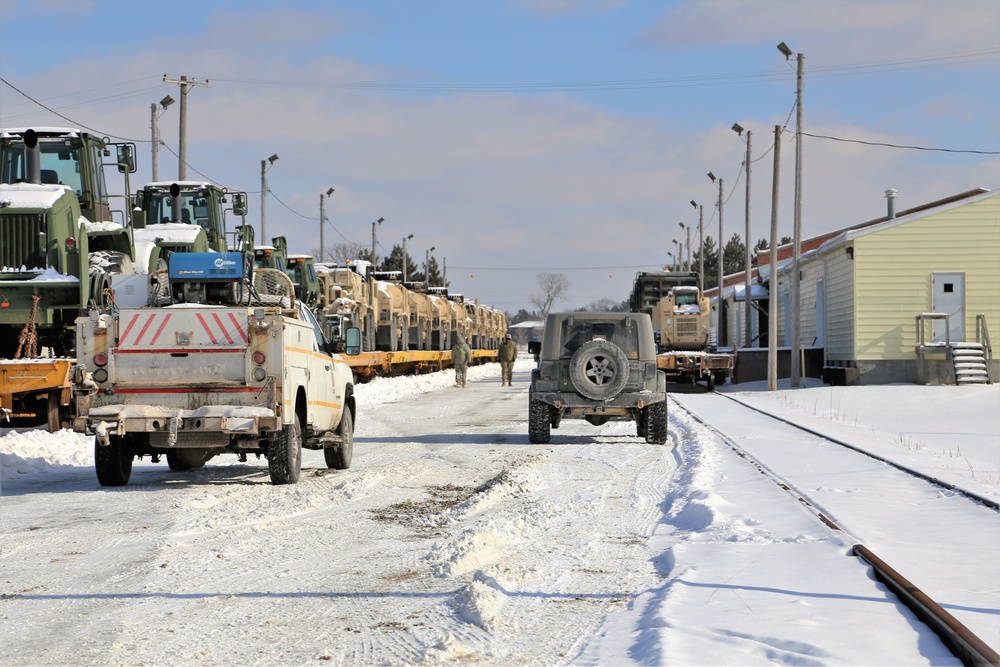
pixel 721 338
pixel 322 226
pixel 427 265
pixel 797 249
pixel 182 141
pixel 374 256
pixel 701 244
pixel 405 238
pixel 747 333
pixel 164 103
pixel 772 298
pixel 264 166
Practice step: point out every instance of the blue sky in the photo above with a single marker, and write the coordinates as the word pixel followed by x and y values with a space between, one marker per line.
pixel 519 136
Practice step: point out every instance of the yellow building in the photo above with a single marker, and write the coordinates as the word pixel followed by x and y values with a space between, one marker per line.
pixel 863 290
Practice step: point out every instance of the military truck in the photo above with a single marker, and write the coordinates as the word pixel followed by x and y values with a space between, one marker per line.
pixel 60 240
pixel 223 363
pixel 183 216
pixel 681 316
pixel 598 367
pixel 301 269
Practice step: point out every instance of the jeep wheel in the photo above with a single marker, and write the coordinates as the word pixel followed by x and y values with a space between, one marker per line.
pixel 339 457
pixel 656 423
pixel 538 423
pixel 599 370
pixel 113 461
pixel 284 454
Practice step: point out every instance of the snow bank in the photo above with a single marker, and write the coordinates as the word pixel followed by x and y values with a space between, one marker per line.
pixel 38 451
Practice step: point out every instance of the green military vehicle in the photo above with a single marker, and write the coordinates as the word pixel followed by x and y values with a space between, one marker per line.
pixel 185 216
pixel 60 240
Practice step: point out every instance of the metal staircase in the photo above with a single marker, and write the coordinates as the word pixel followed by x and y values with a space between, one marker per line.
pixel 969 362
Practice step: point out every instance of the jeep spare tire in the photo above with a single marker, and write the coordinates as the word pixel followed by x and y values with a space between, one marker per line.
pixel 599 370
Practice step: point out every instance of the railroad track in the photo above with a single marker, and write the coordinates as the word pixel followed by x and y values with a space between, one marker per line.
pixel 966 646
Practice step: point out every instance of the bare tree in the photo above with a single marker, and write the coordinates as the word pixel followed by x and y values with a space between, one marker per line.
pixel 341 252
pixel 554 287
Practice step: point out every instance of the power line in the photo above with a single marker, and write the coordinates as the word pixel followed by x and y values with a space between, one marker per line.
pixel 915 148
pixel 75 124
pixel 545 268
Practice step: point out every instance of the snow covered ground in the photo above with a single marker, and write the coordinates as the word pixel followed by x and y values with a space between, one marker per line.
pixel 452 540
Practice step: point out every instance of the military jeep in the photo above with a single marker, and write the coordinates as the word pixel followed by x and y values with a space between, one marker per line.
pixel 599 367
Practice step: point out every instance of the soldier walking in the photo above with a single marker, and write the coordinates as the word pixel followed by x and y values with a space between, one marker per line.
pixel 461 354
pixel 507 354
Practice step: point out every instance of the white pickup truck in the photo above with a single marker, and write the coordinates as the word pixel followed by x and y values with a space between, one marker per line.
pixel 190 379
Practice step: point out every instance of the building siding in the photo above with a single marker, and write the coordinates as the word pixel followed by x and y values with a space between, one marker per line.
pixel 893 269
pixel 839 285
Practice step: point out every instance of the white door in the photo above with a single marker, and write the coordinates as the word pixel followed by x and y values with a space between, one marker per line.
pixel 948 293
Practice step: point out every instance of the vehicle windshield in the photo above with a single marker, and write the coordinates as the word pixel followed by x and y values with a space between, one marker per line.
pixel 193 208
pixel 60 163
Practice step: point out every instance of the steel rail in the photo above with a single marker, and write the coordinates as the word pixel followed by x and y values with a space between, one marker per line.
pixel 989 502
pixel 967 647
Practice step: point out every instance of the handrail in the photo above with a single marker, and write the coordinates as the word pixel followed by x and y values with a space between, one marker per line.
pixel 983 335
pixel 923 348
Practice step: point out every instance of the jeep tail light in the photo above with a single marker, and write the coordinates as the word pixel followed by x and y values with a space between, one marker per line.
pixel 100 359
pixel 70 244
pixel 259 358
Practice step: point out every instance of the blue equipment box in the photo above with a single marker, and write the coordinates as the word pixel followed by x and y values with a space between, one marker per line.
pixel 206 266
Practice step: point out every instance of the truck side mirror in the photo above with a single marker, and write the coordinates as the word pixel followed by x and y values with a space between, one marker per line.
pixel 353 341
pixel 239 204
pixel 126 158
pixel 535 348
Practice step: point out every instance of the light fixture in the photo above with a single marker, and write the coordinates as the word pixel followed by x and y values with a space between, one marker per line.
pixel 166 102
pixel 273 158
pixel 785 51
pixel 712 176
pixel 329 192
pixel 738 129
pixel 694 204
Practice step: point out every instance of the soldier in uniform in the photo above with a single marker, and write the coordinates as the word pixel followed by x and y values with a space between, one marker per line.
pixel 461 354
pixel 507 354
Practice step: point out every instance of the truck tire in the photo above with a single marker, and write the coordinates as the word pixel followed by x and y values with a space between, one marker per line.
pixel 710 382
pixel 538 423
pixel 284 454
pixel 339 458
pixel 599 370
pixel 656 423
pixel 113 461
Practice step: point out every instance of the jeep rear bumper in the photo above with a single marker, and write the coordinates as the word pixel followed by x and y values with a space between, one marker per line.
pixel 622 404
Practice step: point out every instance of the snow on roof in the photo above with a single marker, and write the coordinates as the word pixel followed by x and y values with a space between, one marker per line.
pixel 11 131
pixel 184 185
pixel 29 195
pixel 105 226
pixel 168 232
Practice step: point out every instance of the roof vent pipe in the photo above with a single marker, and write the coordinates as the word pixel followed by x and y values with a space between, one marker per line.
pixel 890 196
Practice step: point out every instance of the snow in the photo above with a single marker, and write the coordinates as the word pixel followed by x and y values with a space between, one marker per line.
pixel 29 195
pixel 452 541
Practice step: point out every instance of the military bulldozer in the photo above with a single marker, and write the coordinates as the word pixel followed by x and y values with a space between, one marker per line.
pixel 185 216
pixel 60 240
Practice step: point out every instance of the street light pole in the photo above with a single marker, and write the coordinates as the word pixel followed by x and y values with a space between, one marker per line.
pixel 796 333
pixel 165 102
pixel 264 166
pixel 687 254
pixel 427 266
pixel 322 226
pixel 721 342
pixel 701 245
pixel 182 141
pixel 747 334
pixel 374 256
pixel 404 255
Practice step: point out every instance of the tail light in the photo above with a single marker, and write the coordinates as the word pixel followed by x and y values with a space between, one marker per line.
pixel 259 358
pixel 70 244
pixel 100 359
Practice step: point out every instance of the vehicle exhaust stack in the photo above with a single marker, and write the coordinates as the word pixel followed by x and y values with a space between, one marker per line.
pixel 32 158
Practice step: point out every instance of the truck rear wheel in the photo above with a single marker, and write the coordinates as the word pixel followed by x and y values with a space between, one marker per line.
pixel 339 458
pixel 538 423
pixel 113 461
pixel 284 454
